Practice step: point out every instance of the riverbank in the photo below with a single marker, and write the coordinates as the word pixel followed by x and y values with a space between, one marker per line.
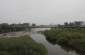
pixel 74 38
pixel 23 45
pixel 12 34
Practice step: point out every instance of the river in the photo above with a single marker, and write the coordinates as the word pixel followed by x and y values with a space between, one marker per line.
pixel 53 49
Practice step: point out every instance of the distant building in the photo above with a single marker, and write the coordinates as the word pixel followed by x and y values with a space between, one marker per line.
pixel 79 23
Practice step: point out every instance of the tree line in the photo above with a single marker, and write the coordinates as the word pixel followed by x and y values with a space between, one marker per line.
pixel 76 23
pixel 5 27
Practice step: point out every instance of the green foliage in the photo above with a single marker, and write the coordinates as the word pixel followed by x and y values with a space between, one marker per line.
pixel 68 36
pixel 5 27
pixel 21 46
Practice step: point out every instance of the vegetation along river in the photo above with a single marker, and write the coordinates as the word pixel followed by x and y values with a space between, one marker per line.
pixel 53 49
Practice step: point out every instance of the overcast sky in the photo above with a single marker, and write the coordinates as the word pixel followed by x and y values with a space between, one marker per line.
pixel 42 11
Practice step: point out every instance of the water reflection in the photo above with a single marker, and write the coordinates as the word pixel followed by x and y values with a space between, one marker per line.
pixel 66 48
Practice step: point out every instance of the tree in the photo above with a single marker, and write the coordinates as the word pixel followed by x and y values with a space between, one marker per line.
pixel 33 24
pixel 66 24
pixel 71 24
pixel 13 27
pixel 26 24
pixel 0 29
pixel 5 27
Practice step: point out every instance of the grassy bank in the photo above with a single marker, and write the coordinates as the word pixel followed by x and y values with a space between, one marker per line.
pixel 21 46
pixel 74 38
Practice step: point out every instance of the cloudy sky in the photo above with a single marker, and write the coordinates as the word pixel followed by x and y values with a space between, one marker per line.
pixel 42 11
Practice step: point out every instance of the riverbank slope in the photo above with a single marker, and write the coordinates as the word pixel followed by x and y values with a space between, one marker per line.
pixel 74 38
pixel 23 45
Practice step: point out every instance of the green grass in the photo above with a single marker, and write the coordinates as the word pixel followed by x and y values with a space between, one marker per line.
pixel 21 46
pixel 67 36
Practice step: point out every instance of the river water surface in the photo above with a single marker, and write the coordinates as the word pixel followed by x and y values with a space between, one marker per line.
pixel 53 49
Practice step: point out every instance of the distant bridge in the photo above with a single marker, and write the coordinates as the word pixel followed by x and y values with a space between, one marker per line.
pixel 41 27
pixel 71 27
pixel 57 27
